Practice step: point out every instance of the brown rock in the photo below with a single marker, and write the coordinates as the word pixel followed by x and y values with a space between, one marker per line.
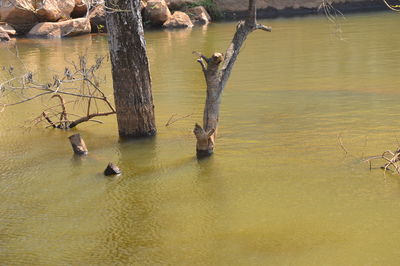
pixel 199 15
pixel 156 12
pixel 7 29
pixel 178 20
pixel 143 5
pixel 67 28
pixel 97 17
pixel 80 9
pixel 53 10
pixel 18 13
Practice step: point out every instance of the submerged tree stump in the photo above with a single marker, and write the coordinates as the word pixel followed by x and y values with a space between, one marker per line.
pixel 78 145
pixel 205 141
pixel 112 169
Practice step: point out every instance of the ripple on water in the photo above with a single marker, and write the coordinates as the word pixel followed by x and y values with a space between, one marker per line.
pixel 278 189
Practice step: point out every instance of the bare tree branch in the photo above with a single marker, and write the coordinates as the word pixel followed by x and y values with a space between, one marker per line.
pixel 392 161
pixel 88 118
pixel 88 90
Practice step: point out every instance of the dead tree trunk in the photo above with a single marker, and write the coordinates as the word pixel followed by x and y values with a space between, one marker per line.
pixel 130 69
pixel 217 70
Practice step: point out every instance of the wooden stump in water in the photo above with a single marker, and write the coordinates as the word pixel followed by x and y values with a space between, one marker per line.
pixel 78 145
pixel 112 169
pixel 205 142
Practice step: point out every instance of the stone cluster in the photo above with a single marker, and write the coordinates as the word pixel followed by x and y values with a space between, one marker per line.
pixel 65 18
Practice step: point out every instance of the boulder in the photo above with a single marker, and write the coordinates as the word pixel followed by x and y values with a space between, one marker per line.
pixel 53 10
pixel 143 5
pixel 178 20
pixel 4 37
pixel 7 29
pixel 156 12
pixel 97 17
pixel 66 28
pixel 199 15
pixel 18 13
pixel 80 9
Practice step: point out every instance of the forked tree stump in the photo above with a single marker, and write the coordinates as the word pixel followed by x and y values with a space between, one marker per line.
pixel 78 145
pixel 217 70
pixel 205 142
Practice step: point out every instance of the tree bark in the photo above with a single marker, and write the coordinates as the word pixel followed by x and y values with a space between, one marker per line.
pixel 217 70
pixel 130 69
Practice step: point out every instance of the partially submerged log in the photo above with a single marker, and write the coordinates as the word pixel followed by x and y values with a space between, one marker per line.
pixel 112 169
pixel 217 70
pixel 78 145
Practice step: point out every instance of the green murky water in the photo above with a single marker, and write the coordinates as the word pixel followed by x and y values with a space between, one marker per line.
pixel 278 191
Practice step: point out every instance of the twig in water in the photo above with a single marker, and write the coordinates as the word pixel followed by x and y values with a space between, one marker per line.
pixel 171 120
pixel 332 15
pixel 339 138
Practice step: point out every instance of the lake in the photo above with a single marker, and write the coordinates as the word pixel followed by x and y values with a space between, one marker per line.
pixel 279 190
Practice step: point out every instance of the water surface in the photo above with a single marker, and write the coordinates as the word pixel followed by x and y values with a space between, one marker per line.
pixel 279 189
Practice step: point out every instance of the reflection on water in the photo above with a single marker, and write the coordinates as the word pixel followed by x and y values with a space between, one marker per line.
pixel 278 191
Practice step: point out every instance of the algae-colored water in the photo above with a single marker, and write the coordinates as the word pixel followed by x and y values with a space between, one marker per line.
pixel 279 189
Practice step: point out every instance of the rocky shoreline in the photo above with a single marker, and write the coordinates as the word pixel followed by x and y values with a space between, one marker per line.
pixel 65 18
pixel 308 8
